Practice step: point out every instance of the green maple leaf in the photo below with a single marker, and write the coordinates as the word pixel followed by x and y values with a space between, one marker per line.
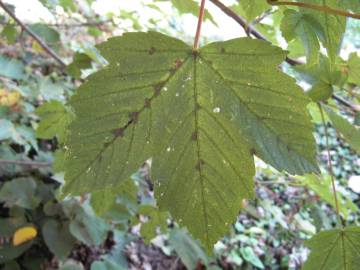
pixel 200 115
pixel 334 250
pixel 333 25
pixel 307 29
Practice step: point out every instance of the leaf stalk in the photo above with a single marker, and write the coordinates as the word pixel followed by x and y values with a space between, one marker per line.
pixel 199 24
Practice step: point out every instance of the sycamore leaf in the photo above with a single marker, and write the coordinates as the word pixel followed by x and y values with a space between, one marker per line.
pixel 334 26
pixel 200 115
pixel 251 10
pixel 307 29
pixel 336 249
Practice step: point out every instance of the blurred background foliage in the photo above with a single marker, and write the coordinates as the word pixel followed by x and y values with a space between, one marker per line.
pixel 114 232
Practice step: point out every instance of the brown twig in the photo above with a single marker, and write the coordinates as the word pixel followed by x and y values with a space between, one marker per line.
pixel 66 25
pixel 323 8
pixel 34 164
pixel 245 25
pixel 32 34
pixel 199 24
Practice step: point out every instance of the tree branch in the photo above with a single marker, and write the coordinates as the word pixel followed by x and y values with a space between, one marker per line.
pixel 33 164
pixel 250 29
pixel 323 8
pixel 32 34
pixel 68 25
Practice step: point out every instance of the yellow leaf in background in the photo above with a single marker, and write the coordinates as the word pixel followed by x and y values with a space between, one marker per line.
pixel 9 99
pixel 3 92
pixel 23 235
pixel 37 48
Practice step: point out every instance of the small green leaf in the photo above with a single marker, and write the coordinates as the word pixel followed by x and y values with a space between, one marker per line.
pixel 354 68
pixel 189 250
pixel 89 230
pixel 58 238
pixel 50 90
pixel 55 118
pixel 155 219
pixel 250 10
pixel 334 26
pixel 11 68
pixel 85 226
pixel 321 91
pixel 117 198
pixel 10 33
pixel 47 33
pixel 20 192
pixel 307 29
pixel 322 187
pixel 9 252
pixel 249 255
pixel 80 61
pixel 336 249
pixel 190 6
pixel 349 132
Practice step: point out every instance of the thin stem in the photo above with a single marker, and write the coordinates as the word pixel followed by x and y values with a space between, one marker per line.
pixel 323 8
pixel 34 164
pixel 331 171
pixel 32 34
pixel 293 62
pixel 66 25
pixel 199 24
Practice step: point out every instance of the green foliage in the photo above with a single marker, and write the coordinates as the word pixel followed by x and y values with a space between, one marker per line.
pixel 251 10
pixel 350 133
pixel 354 68
pixel 323 78
pixel 155 220
pixel 58 238
pixel 48 34
pixel 55 118
pixel 189 6
pixel 188 249
pixel 197 124
pixel 334 26
pixel 336 249
pixel 307 29
pixel 11 68
pixel 10 33
pixel 199 118
pixel 322 187
pixel 19 192
pixel 80 61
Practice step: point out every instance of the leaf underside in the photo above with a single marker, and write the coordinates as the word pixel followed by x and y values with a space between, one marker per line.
pixel 334 250
pixel 200 115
